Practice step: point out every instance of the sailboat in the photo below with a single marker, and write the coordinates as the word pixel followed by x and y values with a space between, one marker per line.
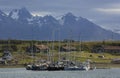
pixel 60 64
pixel 6 56
pixel 73 66
pixel 55 66
pixel 82 66
pixel 39 65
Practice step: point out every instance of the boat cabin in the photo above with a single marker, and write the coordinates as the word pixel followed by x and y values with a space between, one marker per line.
pixel 67 49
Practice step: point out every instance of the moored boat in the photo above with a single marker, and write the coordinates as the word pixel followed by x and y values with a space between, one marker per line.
pixel 37 67
pixel 83 66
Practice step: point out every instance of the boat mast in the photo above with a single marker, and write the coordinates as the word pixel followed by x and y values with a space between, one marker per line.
pixel 59 45
pixel 70 42
pixel 80 43
pixel 48 52
pixel 32 46
pixel 53 33
pixel 9 45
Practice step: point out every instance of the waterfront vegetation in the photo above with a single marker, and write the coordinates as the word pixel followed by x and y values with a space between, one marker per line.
pixel 83 52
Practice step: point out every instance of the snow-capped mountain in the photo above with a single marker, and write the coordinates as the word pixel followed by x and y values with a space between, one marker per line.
pixel 3 16
pixel 20 24
pixel 22 15
pixel 14 14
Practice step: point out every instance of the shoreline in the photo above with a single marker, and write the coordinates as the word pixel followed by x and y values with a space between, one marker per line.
pixel 12 66
pixel 105 65
pixel 97 65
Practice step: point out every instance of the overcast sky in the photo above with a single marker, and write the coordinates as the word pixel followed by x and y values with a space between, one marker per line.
pixel 105 13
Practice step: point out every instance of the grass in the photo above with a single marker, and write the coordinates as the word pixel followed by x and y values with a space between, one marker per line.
pixel 23 58
pixel 79 56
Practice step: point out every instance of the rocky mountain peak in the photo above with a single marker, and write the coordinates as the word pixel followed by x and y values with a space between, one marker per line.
pixel 2 14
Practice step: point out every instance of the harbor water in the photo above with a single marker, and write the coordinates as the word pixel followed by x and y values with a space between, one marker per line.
pixel 23 73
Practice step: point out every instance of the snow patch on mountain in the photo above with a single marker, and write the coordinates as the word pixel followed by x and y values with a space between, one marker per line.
pixel 2 14
pixel 45 21
pixel 61 21
pixel 39 23
pixel 78 18
pixel 14 14
pixel 30 20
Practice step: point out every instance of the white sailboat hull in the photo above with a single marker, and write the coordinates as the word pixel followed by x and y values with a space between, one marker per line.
pixel 77 68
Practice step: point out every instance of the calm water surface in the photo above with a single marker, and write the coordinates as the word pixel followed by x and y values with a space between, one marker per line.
pixel 23 73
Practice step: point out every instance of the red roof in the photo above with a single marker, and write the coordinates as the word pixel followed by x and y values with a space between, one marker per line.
pixel 112 47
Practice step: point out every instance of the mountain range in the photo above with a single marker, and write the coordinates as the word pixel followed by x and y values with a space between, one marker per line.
pixel 21 24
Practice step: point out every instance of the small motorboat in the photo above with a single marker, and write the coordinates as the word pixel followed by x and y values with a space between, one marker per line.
pixel 83 66
pixel 40 66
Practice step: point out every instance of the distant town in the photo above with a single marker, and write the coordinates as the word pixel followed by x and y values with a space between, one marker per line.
pixel 22 52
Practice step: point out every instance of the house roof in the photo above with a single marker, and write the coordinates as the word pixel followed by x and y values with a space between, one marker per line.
pixel 67 47
pixel 42 46
pixel 112 47
pixel 116 60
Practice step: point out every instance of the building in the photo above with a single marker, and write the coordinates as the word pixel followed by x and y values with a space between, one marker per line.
pixel 6 56
pixel 112 49
pixel 67 48
pixel 109 49
pixel 37 49
pixel 116 61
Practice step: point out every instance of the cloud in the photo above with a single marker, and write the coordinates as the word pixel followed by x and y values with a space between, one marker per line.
pixel 114 5
pixel 41 13
pixel 109 10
